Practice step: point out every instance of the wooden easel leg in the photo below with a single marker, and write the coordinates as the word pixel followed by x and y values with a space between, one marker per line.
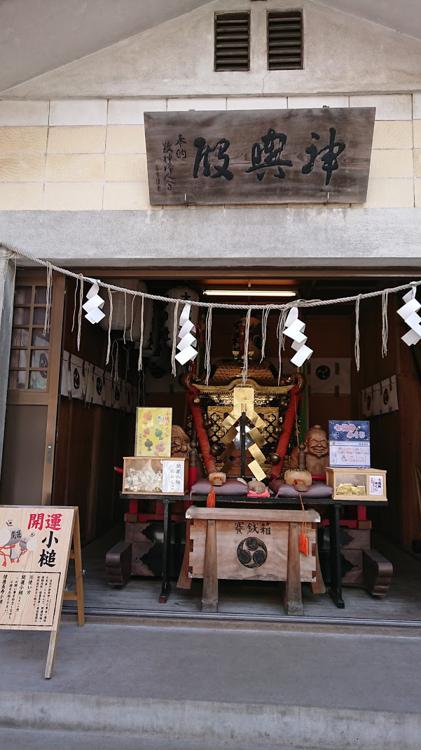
pixel 210 571
pixel 51 654
pixel 78 571
pixel 293 597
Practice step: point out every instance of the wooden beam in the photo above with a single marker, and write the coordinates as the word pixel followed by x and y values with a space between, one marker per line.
pixel 253 514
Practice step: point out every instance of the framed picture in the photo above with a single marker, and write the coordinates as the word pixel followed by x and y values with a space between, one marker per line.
pixel 153 432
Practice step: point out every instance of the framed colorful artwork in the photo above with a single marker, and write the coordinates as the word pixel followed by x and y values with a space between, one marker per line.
pixel 153 432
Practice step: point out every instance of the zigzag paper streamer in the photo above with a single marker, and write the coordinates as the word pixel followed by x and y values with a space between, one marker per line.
pixel 294 329
pixel 187 342
pixel 93 305
pixel 409 313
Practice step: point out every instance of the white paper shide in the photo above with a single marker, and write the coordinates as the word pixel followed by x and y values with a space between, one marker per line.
pixel 409 313
pixel 93 305
pixel 294 329
pixel 186 339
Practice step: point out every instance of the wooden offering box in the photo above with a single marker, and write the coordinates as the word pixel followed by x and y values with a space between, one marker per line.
pixel 155 476
pixel 366 485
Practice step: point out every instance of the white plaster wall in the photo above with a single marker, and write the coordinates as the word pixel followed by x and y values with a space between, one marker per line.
pixel 90 154
pixel 342 54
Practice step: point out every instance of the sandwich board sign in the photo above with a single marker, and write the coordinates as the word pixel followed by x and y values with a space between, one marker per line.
pixel 35 548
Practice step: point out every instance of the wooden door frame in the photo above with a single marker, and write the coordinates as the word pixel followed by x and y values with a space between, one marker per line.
pixel 50 397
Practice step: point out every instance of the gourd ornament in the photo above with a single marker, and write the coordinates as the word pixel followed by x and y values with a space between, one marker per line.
pixel 300 478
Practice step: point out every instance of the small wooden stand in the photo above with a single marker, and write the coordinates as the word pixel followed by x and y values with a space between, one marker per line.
pixel 76 595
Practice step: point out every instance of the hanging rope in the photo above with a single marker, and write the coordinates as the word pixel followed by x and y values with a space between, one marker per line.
pixel 357 333
pixel 115 365
pixel 265 316
pixel 281 339
pixel 75 305
pixel 174 339
pixel 131 319
pixel 110 321
pixel 126 373
pixel 385 322
pixel 79 317
pixel 48 292
pixel 220 306
pixel 209 306
pixel 246 347
pixel 125 317
pixel 140 358
pixel 208 343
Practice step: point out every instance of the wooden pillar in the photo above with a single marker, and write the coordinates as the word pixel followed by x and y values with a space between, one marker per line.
pixel 7 290
pixel 293 597
pixel 210 574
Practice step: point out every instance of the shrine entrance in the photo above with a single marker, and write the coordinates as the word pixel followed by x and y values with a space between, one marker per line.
pixel 91 410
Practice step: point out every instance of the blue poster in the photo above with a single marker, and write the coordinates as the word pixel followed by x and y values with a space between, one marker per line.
pixel 349 443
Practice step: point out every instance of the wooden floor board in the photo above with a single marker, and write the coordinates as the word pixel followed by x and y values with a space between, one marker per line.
pixel 403 602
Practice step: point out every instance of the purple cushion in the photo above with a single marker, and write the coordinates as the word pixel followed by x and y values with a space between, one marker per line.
pixel 231 487
pixel 317 489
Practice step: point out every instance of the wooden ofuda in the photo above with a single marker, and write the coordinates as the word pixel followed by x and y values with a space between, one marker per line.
pixel 254 544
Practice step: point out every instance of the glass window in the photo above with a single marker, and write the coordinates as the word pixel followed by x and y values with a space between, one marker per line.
pixel 21 316
pixel 38 381
pixel 18 359
pixel 17 379
pixel 39 338
pixel 23 295
pixel 39 359
pixel 40 295
pixel 29 353
pixel 20 337
pixel 39 316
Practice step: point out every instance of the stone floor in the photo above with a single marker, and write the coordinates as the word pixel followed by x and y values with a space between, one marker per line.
pixel 260 600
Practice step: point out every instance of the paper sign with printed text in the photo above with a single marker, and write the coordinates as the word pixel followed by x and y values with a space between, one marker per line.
pixel 349 443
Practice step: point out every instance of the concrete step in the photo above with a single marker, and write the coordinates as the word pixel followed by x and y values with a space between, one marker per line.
pixel 231 687
pixel 27 739
pixel 213 725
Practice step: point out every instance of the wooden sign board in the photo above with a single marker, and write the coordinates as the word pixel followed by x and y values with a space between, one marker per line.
pixel 264 156
pixel 35 547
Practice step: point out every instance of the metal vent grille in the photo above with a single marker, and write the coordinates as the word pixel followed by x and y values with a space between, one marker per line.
pixel 232 41
pixel 285 40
